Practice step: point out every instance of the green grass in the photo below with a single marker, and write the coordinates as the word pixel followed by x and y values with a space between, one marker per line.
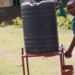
pixel 61 18
pixel 11 42
pixel 65 36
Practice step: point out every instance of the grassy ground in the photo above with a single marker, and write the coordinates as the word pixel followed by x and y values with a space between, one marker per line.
pixel 11 42
pixel 61 18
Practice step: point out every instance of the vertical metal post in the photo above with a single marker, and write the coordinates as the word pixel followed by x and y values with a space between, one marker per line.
pixel 61 63
pixel 63 55
pixel 23 62
pixel 27 65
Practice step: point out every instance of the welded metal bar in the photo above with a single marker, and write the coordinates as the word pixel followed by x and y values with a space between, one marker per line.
pixel 23 62
pixel 45 54
pixel 68 72
pixel 68 67
pixel 61 64
pixel 27 65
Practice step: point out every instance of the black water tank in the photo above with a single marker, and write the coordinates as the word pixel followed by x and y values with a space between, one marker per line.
pixel 40 27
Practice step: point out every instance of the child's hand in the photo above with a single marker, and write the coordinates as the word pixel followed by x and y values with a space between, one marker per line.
pixel 68 54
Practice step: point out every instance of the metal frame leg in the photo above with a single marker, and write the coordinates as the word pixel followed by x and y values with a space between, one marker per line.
pixel 23 62
pixel 27 65
pixel 64 67
pixel 62 63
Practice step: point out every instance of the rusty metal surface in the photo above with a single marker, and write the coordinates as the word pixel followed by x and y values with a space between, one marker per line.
pixel 45 54
pixel 65 69
pixel 68 73
pixel 23 62
pixel 9 13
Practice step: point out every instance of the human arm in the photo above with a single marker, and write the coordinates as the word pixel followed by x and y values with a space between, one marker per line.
pixel 70 49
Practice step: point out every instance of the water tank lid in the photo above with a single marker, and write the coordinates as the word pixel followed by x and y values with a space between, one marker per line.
pixel 30 3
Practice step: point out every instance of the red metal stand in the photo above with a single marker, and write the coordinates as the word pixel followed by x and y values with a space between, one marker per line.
pixel 65 69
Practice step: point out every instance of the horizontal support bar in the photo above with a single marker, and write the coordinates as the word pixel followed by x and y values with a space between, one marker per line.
pixel 68 72
pixel 44 54
pixel 67 67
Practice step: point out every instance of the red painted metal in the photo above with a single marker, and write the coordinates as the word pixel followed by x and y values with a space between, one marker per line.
pixel 65 69
pixel 27 65
pixel 23 62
